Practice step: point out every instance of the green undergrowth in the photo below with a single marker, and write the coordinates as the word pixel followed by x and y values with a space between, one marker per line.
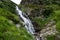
pixel 9 15
pixel 8 5
pixel 8 29
pixel 57 17
pixel 43 22
pixel 51 37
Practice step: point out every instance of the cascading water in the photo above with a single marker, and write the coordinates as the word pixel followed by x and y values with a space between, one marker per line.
pixel 27 21
pixel 28 24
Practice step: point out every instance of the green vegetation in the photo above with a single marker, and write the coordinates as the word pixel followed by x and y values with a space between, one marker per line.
pixel 57 17
pixel 8 21
pixel 51 37
pixel 58 26
pixel 7 4
pixel 48 9
pixel 8 29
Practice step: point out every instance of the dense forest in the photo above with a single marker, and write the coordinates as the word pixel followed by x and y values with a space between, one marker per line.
pixel 44 14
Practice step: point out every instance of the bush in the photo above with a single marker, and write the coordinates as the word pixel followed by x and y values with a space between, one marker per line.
pixel 51 37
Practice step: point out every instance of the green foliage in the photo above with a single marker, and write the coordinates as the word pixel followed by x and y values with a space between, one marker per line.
pixel 8 5
pixel 57 15
pixel 48 11
pixel 58 26
pixel 9 15
pixel 42 22
pixel 51 37
pixel 54 7
pixel 57 18
pixel 8 29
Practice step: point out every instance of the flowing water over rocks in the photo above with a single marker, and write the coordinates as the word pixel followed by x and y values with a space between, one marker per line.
pixel 28 24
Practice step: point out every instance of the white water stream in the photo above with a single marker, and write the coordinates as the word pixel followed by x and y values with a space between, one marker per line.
pixel 27 21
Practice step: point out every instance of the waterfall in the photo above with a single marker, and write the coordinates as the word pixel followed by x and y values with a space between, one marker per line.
pixel 28 24
pixel 27 21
